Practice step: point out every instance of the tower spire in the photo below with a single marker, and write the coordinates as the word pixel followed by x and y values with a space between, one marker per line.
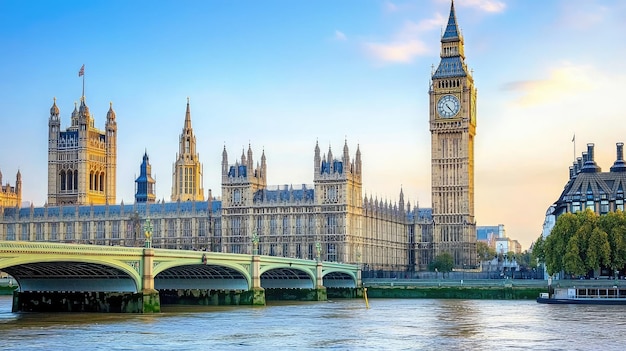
pixel 188 116
pixel 452 29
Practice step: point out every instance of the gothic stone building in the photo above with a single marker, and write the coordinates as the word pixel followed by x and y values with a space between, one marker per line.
pixel 11 196
pixel 332 216
pixel 82 159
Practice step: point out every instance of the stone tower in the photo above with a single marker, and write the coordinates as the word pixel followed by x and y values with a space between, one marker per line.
pixel 339 194
pixel 187 170
pixel 144 185
pixel 81 159
pixel 240 182
pixel 453 127
pixel 11 196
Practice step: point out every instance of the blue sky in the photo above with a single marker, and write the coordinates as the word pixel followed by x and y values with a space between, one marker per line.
pixel 282 75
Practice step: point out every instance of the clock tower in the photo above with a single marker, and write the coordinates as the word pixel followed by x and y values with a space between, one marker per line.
pixel 453 127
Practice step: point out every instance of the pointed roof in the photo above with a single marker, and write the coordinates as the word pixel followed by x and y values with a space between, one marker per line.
pixel 187 117
pixel 452 29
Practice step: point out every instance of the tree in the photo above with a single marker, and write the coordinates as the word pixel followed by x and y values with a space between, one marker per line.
pixel 614 224
pixel 598 250
pixel 442 263
pixel 573 264
pixel 485 252
pixel 538 250
pixel 584 242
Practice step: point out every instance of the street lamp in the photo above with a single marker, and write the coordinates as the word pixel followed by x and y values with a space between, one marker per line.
pixel 255 242
pixel 318 249
pixel 147 228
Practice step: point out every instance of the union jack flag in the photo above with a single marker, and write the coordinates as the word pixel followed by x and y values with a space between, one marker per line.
pixel 81 72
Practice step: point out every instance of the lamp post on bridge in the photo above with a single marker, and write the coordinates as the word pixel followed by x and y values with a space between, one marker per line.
pixel 318 249
pixel 255 242
pixel 147 228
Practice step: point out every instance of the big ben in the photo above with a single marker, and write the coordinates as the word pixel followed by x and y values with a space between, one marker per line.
pixel 453 127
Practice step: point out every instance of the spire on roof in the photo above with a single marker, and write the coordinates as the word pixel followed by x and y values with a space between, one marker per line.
pixel 452 29
pixel 187 117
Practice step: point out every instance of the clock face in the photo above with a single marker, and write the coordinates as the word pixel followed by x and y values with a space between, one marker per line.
pixel 448 106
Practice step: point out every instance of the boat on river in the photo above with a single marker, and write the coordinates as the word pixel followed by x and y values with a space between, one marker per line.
pixel 585 296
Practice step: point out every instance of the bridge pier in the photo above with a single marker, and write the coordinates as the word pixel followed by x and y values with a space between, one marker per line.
pixel 79 301
pixel 150 297
pixel 258 293
pixel 320 289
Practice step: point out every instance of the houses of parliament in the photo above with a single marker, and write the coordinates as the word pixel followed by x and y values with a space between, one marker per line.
pixel 289 221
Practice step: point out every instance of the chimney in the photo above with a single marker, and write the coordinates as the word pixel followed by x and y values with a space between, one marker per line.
pixel 589 165
pixel 619 165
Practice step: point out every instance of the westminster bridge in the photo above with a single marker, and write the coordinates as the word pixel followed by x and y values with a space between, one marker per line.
pixel 73 277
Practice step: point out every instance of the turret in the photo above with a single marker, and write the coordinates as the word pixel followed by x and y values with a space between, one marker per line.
pixel 317 159
pixel 18 187
pixel 401 202
pixel 263 167
pixel 357 162
pixel 619 165
pixel 224 164
pixel 250 164
pixel 54 123
pixel 590 165
pixel 346 155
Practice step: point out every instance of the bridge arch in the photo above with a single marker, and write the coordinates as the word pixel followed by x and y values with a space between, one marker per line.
pixel 282 275
pixel 194 274
pixel 339 278
pixel 75 273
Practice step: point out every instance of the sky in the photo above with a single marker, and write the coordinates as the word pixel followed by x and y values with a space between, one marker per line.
pixel 282 75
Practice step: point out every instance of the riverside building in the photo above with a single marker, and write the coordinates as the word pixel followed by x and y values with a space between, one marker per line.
pixel 331 216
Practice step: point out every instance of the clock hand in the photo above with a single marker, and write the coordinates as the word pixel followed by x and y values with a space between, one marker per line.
pixel 449 109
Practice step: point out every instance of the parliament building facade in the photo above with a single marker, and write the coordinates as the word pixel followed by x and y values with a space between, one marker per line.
pixel 333 213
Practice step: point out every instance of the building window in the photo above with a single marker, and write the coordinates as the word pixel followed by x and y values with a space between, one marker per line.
pixel 85 235
pixel 619 205
pixel 575 207
pixel 591 205
pixel 69 231
pixel 11 231
pixel 285 225
pixel 25 232
pixel 100 230
pixel 604 207
pixel 39 231
pixel 186 228
pixel 115 230
pixel 54 231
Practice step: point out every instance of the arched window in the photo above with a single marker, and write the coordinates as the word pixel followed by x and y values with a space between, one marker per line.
pixel 63 180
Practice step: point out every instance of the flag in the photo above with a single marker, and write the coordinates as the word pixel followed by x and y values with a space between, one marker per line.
pixel 574 138
pixel 81 72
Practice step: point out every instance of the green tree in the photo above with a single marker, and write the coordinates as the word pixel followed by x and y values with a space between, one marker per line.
pixel 484 251
pixel 614 224
pixel 442 263
pixel 598 250
pixel 538 251
pixel 573 264
pixel 555 244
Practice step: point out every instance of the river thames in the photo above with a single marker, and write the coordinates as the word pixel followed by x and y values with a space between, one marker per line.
pixel 389 324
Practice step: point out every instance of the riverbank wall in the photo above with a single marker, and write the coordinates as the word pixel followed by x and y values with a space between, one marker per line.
pixel 455 292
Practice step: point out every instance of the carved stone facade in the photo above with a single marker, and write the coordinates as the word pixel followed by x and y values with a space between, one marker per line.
pixel 82 159
pixel 187 170
pixel 11 196
pixel 453 127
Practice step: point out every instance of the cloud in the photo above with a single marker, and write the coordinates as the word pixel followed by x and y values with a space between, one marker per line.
pixel 398 51
pixel 563 81
pixel 340 36
pixel 492 6
pixel 404 46
pixel 582 17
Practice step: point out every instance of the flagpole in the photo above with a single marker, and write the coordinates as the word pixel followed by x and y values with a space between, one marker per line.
pixel 83 85
pixel 574 141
